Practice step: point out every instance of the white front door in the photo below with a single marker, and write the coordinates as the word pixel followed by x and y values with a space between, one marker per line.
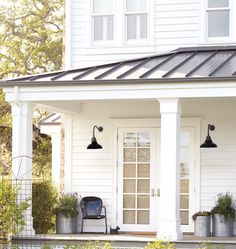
pixel 188 174
pixel 138 179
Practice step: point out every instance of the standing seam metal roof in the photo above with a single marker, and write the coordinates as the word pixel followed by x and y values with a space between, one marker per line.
pixel 181 64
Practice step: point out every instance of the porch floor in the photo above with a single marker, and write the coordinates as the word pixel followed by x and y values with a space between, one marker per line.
pixel 125 240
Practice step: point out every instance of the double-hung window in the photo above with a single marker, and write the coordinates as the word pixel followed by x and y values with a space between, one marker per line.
pixel 136 15
pixel 218 19
pixel 103 21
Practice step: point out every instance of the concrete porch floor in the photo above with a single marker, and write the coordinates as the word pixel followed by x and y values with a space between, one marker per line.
pixel 123 240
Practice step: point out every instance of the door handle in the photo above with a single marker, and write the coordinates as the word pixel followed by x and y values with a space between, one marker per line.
pixel 153 192
pixel 158 192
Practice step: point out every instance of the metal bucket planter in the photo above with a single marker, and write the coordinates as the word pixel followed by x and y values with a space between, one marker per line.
pixel 202 226
pixel 221 226
pixel 65 225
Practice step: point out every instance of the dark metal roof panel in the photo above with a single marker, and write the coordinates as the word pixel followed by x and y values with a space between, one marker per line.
pixel 184 63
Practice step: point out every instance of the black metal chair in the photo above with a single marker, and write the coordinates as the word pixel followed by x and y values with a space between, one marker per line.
pixel 91 207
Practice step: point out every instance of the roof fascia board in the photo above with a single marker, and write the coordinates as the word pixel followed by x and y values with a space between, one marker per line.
pixel 119 92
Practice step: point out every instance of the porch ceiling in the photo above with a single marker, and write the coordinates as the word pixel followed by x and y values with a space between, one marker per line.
pixel 181 65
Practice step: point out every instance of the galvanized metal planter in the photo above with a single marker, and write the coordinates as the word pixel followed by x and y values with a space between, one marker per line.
pixel 221 226
pixel 65 225
pixel 202 226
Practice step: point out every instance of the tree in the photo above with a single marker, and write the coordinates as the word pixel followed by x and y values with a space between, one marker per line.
pixel 30 42
pixel 30 36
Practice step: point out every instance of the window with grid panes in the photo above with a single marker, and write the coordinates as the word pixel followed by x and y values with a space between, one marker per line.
pixel 136 20
pixel 218 18
pixel 103 21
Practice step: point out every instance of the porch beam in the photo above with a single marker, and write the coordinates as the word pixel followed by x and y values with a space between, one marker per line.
pixel 22 113
pixel 169 224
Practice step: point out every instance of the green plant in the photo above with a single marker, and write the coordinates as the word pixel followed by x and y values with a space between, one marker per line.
pixel 159 244
pixel 201 213
pixel 208 245
pixel 11 210
pixel 224 206
pixel 67 205
pixel 44 196
pixel 90 245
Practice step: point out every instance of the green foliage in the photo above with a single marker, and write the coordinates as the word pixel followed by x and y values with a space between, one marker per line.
pixel 30 42
pixel 42 156
pixel 11 210
pixel 30 36
pixel 201 213
pixel 90 245
pixel 67 205
pixel 208 245
pixel 224 206
pixel 159 244
pixel 44 196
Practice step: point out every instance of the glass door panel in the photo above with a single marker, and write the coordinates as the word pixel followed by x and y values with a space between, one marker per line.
pixel 136 161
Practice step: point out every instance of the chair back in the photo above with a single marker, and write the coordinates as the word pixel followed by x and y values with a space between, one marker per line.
pixel 91 206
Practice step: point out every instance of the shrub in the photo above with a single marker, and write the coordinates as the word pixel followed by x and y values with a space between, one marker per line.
pixel 159 244
pixel 224 206
pixel 44 196
pixel 11 211
pixel 67 205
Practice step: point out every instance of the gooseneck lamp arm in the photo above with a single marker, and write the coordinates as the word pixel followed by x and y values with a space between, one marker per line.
pixel 100 129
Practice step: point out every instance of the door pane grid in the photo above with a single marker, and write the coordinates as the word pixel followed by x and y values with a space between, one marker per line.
pixel 136 178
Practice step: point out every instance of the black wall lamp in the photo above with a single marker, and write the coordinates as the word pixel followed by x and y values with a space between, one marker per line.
pixel 208 142
pixel 94 144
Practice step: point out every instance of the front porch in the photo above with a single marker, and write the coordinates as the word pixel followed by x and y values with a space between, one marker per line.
pixel 153 101
pixel 121 241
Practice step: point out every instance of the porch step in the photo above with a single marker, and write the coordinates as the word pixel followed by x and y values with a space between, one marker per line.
pixel 120 241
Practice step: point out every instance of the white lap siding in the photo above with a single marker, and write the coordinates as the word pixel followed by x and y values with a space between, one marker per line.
pixel 172 24
pixel 92 169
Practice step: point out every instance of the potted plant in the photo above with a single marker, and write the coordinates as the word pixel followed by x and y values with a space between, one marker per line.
pixel 202 223
pixel 223 215
pixel 66 213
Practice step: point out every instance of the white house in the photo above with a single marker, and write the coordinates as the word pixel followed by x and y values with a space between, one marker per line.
pixel 155 110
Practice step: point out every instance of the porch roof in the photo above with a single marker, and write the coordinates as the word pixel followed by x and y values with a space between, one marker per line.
pixel 180 65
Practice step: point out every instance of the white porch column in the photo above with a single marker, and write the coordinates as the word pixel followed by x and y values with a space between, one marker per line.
pixel 169 226
pixel 22 156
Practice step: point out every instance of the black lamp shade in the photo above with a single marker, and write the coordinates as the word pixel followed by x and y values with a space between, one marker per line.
pixel 94 144
pixel 208 142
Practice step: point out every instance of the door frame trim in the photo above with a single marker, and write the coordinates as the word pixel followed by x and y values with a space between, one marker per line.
pixel 153 161
pixel 151 123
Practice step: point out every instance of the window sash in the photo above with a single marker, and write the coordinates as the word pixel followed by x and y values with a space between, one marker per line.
pixel 103 21
pixel 137 28
pixel 218 23
pixel 102 6
pixel 221 32
pixel 136 20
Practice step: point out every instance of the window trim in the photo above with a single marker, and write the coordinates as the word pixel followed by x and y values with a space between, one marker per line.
pixel 105 14
pixel 220 39
pixel 139 40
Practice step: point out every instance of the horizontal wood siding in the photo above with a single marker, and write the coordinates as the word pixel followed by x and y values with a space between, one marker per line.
pixel 176 24
pixel 218 166
pixel 92 169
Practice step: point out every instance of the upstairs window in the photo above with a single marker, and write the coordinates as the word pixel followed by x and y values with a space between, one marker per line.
pixel 218 19
pixel 136 20
pixel 103 21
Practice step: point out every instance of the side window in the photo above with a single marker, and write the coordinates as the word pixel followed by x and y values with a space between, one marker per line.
pixel 218 18
pixel 103 21
pixel 136 15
